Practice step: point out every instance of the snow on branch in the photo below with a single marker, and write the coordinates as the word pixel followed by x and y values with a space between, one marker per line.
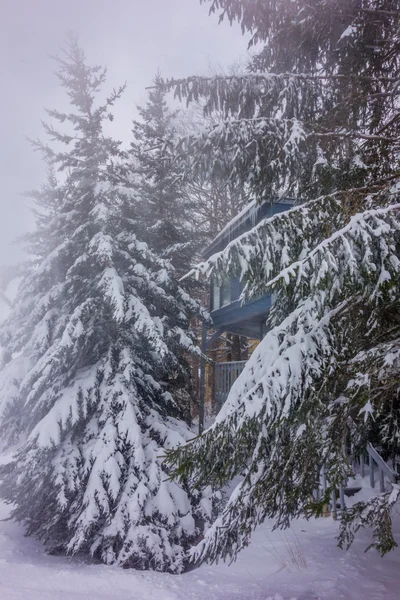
pixel 277 426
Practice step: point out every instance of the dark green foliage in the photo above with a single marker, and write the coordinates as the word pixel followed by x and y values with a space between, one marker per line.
pixel 317 110
pixel 374 514
pixel 315 117
pixel 101 329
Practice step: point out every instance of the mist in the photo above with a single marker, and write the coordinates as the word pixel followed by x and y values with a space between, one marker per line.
pixel 132 38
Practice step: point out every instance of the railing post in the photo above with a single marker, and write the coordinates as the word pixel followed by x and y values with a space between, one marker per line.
pixel 371 470
pixel 362 465
pixel 381 479
pixel 376 458
pixel 226 375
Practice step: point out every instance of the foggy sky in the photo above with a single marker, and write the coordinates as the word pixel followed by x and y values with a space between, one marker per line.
pixel 133 38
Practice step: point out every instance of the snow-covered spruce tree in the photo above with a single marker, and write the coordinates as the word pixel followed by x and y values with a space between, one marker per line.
pixel 325 375
pixel 323 92
pixel 315 118
pixel 164 208
pixel 89 318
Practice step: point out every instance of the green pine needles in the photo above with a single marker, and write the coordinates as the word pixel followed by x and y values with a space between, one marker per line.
pixel 315 116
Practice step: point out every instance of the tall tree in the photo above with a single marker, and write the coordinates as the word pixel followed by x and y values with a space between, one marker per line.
pixel 323 92
pixel 316 117
pixel 164 204
pixel 90 319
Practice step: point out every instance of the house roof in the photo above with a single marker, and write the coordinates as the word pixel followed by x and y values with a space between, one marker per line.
pixel 245 220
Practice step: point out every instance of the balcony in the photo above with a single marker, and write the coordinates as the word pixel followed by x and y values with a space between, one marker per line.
pixel 226 374
pixel 228 312
pixel 231 314
pixel 248 218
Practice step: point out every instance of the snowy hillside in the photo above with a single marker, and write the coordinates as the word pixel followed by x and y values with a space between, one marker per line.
pixel 300 564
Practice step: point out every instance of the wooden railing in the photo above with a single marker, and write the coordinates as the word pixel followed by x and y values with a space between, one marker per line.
pixel 376 461
pixel 366 464
pixel 226 374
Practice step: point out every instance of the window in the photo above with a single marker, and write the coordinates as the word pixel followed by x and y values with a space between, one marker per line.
pixel 226 295
pixel 221 294
pixel 215 298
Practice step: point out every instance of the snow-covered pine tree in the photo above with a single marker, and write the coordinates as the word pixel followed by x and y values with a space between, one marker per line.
pixel 316 118
pixel 15 368
pixel 89 319
pixel 164 206
pixel 322 91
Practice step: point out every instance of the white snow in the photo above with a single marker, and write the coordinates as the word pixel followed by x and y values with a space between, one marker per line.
pixel 351 30
pixel 302 563
pixel 244 213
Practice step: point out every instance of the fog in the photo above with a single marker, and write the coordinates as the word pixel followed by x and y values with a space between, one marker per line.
pixel 133 38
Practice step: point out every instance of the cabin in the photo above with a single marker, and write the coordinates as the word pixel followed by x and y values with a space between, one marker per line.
pixel 231 315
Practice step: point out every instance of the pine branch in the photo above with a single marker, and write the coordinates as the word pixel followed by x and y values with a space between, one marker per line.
pixel 168 84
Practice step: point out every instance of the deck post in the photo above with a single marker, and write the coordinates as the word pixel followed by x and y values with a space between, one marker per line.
pixel 202 376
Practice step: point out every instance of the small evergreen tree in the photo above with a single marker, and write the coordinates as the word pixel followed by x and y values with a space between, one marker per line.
pixel 102 325
pixel 316 118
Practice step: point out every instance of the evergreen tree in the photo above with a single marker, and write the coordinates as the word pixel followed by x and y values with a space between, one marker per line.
pixel 316 117
pixel 165 215
pixel 322 92
pixel 165 207
pixel 90 322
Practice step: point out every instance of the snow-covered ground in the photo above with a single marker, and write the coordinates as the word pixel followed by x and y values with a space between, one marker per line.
pixel 302 563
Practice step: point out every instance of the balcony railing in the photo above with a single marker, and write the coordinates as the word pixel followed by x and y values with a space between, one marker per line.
pixel 226 374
